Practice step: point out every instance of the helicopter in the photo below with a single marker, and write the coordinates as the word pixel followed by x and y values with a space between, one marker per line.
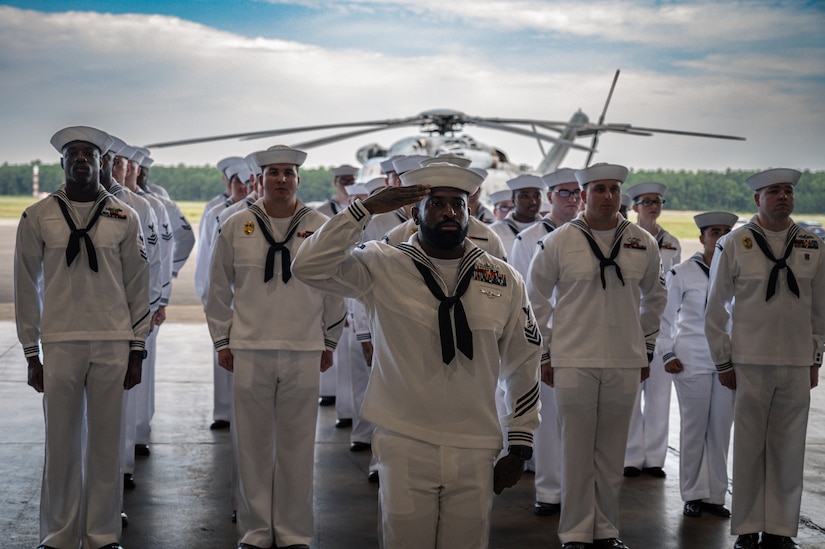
pixel 441 133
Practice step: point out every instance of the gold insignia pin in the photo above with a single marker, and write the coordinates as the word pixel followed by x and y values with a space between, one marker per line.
pixel 248 228
pixel 747 243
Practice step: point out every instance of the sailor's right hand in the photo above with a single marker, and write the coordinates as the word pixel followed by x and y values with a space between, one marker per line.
pixel 390 199
pixel 226 360
pixel 35 373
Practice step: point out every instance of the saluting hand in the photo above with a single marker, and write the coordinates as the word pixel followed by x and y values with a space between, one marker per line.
pixel 390 199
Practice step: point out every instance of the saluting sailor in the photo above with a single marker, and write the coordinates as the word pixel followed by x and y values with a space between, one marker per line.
pixel 526 195
pixel 449 321
pixel 595 284
pixel 705 406
pixel 765 324
pixel 276 334
pixel 647 439
pixel 92 318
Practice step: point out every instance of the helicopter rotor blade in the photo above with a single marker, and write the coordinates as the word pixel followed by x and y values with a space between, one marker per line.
pixel 601 118
pixel 347 135
pixel 528 133
pixel 629 129
pixel 283 131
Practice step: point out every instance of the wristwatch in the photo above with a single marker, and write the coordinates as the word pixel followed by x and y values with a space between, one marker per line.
pixel 524 452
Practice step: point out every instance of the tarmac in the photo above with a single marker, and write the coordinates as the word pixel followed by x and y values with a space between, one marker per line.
pixel 182 497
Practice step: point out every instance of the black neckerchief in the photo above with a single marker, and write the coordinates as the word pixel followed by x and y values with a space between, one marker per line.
pixel 778 264
pixel 274 247
pixel 73 247
pixel 699 260
pixel 462 328
pixel 604 262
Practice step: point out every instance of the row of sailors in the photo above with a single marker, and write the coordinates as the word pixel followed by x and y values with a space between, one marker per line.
pixel 516 234
pixel 278 366
pixel 89 315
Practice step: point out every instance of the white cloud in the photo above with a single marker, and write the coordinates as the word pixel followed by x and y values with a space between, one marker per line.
pixel 156 78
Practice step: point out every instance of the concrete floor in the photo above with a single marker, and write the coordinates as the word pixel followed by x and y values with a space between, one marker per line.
pixel 182 497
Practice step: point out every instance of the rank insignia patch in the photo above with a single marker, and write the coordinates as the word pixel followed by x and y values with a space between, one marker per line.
pixel 668 246
pixel 304 234
pixel 634 243
pixel 489 274
pixel 747 243
pixel 248 228
pixel 113 213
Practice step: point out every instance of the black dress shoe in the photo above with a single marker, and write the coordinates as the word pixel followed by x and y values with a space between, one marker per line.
pixel 219 425
pixel 373 477
pixel 326 401
pixel 657 472
pixel 575 545
pixel 609 543
pixel 234 516
pixel 111 546
pixel 343 423
pixel 747 541
pixel 128 481
pixel 546 509
pixel 249 546
pixel 142 450
pixel 360 447
pixel 693 508
pixel 716 509
pixel 770 541
pixel 632 471
pixel 45 547
pixel 297 546
pixel 124 519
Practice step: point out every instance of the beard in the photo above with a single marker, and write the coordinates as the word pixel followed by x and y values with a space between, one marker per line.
pixel 443 240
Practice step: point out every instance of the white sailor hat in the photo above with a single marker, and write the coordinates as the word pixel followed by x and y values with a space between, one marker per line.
pixel 280 154
pixel 460 161
pixel 146 161
pixel 480 171
pixel 117 145
pixel 626 200
pixel 772 177
pixel 408 163
pixel 601 172
pixel 443 174
pixel 526 181
pixel 715 218
pixel 127 152
pixel 559 177
pixel 249 160
pixel 137 155
pixel 344 169
pixel 501 196
pixel 241 170
pixel 98 138
pixel 649 187
pixel 386 165
pixel 228 161
pixel 375 183
pixel 357 189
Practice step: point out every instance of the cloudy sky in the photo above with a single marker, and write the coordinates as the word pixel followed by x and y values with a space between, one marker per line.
pixel 174 69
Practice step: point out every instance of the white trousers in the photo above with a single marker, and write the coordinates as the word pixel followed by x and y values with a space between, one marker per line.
pixel 647 435
pixel 432 497
pixel 276 409
pixel 594 407
pixel 360 377
pixel 144 394
pixel 770 421
pixel 342 368
pixel 222 395
pixel 706 409
pixel 80 496
pixel 547 450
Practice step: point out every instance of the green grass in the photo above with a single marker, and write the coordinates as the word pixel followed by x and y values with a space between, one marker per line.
pixel 679 224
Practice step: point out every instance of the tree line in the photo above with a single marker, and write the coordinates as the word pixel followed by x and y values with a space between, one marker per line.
pixel 687 190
